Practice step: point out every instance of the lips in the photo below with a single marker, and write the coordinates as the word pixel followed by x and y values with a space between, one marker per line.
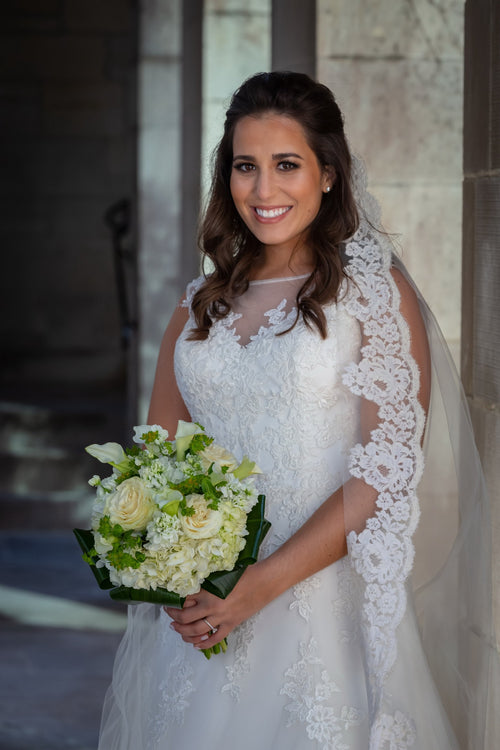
pixel 271 213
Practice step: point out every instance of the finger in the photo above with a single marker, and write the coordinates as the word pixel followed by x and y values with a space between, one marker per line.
pixel 192 632
pixel 212 640
pixel 186 614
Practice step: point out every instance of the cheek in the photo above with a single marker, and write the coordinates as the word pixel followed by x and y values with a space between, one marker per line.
pixel 237 190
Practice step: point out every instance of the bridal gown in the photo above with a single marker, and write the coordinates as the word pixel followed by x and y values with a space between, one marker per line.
pixel 295 674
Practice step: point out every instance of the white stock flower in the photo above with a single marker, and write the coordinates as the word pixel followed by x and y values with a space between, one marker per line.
pixel 204 523
pixel 131 505
pixel 143 429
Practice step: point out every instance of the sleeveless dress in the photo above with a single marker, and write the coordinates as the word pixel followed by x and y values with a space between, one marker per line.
pixel 295 674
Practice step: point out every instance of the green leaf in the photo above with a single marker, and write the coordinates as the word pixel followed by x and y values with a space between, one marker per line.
pixel 222 582
pixel 85 539
pixel 257 526
pixel 134 596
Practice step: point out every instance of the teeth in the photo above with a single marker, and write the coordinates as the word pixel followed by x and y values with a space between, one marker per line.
pixel 272 213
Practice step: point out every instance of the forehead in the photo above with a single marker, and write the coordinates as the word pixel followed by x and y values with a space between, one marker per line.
pixel 271 132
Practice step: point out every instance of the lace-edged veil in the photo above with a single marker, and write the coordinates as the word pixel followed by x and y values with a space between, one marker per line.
pixel 428 527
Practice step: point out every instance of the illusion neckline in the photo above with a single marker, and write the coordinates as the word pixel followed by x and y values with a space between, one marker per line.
pixel 279 278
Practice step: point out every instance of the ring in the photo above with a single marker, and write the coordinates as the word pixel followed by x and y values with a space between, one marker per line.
pixel 211 627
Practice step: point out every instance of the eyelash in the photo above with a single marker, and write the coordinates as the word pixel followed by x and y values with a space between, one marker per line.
pixel 246 166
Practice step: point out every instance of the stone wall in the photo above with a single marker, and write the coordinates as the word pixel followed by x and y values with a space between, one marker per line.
pixel 67 95
pixel 396 68
pixel 481 251
pixel 236 44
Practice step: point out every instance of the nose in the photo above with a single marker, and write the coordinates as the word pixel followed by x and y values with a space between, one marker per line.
pixel 264 184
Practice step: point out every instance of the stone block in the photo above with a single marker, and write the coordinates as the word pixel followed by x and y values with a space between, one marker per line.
pixel 495 88
pixel 114 16
pixel 468 221
pixel 486 374
pixel 120 65
pixel 233 50
pixel 31 15
pixel 388 29
pixel 486 422
pixel 238 6
pixel 59 167
pixel 427 220
pixel 21 108
pixel 397 113
pixel 61 57
pixel 159 92
pixel 89 109
pixel 160 28
pixel 477 109
pixel 214 112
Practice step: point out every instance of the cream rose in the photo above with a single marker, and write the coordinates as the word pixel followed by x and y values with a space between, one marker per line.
pixel 215 454
pixel 131 505
pixel 204 523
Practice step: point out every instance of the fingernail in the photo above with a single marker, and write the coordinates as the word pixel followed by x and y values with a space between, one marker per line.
pixel 204 638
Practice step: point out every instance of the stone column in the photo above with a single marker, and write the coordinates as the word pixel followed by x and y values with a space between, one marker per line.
pixel 294 36
pixel 159 180
pixel 481 256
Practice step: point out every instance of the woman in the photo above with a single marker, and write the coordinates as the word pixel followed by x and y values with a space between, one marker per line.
pixel 306 348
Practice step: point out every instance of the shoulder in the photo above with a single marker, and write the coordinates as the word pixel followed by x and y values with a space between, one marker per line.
pixel 191 290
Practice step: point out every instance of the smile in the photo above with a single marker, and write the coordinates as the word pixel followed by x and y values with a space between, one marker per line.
pixel 271 213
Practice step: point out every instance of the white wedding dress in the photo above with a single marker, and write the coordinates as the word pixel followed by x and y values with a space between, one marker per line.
pixel 296 675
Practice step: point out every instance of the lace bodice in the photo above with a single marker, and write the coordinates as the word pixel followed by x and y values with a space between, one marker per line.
pixel 283 401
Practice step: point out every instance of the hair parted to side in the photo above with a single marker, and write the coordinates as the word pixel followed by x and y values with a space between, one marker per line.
pixel 224 237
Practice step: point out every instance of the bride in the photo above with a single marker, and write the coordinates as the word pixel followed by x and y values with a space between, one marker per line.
pixel 308 348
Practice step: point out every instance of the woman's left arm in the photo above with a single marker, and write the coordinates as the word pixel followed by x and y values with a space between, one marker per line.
pixel 320 542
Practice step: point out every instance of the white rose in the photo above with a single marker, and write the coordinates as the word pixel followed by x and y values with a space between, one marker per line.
pixel 131 505
pixel 215 454
pixel 204 523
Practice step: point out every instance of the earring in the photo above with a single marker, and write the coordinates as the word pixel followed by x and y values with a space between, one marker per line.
pixel 327 189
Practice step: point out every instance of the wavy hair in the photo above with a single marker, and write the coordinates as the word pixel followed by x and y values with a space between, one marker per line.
pixel 225 239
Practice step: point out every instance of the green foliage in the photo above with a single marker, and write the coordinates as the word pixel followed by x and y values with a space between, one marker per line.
pixel 107 529
pixel 186 510
pixel 199 442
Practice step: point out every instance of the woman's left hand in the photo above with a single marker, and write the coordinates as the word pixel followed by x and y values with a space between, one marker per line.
pixel 203 609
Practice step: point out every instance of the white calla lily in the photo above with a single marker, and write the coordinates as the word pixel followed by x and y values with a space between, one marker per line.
pixel 184 435
pixel 108 453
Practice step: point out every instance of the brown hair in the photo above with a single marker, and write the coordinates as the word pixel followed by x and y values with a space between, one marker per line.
pixel 224 237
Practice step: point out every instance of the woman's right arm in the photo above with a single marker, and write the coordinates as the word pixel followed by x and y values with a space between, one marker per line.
pixel 167 405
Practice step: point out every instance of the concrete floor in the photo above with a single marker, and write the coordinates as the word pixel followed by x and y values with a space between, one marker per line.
pixel 58 637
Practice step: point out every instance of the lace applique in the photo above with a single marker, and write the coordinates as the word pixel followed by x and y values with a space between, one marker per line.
pixel 310 691
pixel 279 320
pixel 174 692
pixel 394 732
pixel 241 638
pixel 343 606
pixel 302 593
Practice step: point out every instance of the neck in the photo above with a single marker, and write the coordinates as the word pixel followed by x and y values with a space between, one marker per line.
pixel 277 262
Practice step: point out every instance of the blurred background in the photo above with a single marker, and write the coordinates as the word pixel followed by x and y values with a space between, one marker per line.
pixel 109 112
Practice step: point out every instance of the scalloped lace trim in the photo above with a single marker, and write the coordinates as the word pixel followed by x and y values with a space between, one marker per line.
pixel 392 463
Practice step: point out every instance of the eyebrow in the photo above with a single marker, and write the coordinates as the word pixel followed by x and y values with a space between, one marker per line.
pixel 276 157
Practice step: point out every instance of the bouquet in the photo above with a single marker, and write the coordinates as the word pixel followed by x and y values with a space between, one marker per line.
pixel 172 517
